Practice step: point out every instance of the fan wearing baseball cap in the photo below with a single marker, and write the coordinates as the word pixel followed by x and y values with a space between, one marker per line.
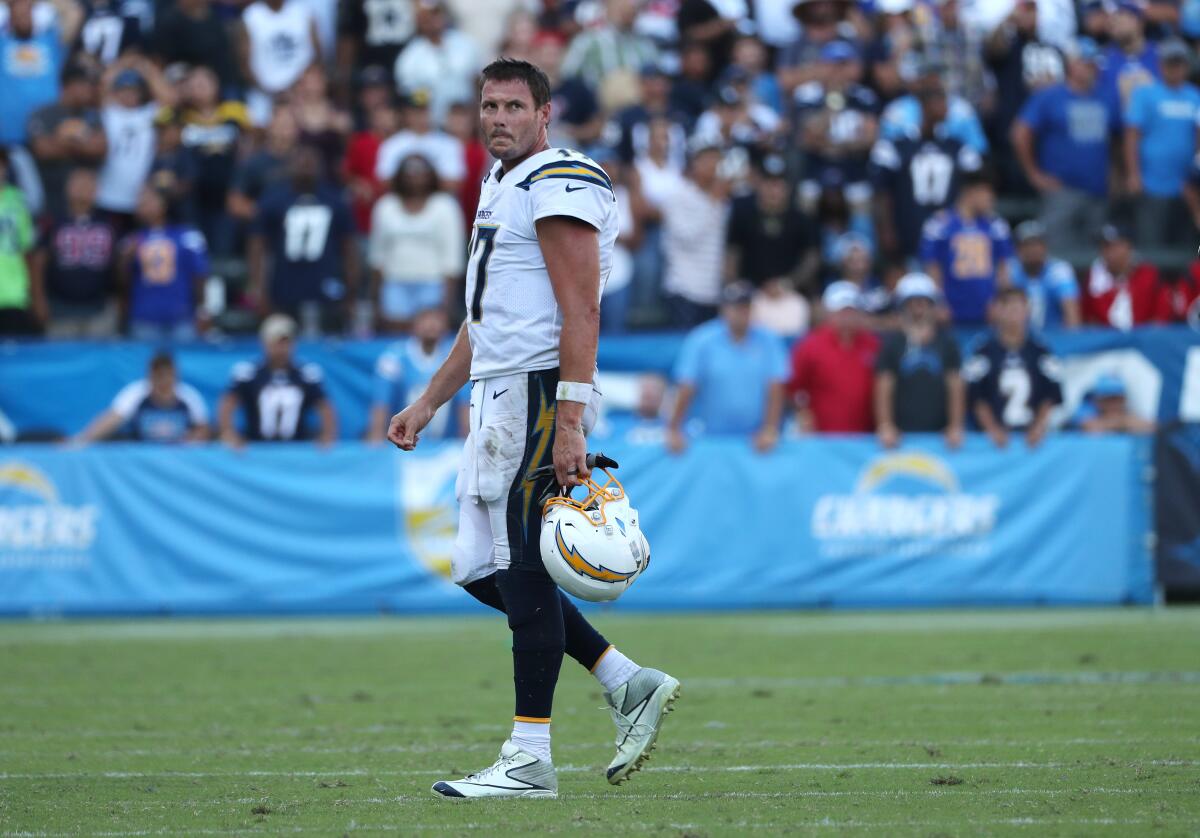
pixel 833 367
pixel 918 387
pixel 1121 292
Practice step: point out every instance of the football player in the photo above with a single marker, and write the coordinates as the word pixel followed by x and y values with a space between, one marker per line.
pixel 540 252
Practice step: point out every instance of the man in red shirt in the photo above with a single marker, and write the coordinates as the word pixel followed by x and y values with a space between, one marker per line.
pixel 1120 292
pixel 833 368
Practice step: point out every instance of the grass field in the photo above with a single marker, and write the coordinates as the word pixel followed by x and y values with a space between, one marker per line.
pixel 1029 723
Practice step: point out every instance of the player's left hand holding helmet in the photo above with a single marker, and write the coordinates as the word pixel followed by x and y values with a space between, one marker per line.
pixel 594 548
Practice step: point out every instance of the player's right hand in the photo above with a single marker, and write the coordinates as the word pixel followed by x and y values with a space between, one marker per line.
pixel 405 429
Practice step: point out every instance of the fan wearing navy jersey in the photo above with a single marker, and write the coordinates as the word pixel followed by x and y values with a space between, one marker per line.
pixel 838 121
pixel 305 229
pixel 277 397
pixel 111 27
pixel 1012 379
pixel 966 250
pixel 163 266
pixel 403 372
pixel 917 175
pixel 158 408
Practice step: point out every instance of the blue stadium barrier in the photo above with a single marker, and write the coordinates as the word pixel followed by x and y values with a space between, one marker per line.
pixel 833 522
pixel 61 385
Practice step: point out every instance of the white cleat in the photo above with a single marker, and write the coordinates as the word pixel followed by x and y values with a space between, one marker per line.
pixel 515 774
pixel 638 707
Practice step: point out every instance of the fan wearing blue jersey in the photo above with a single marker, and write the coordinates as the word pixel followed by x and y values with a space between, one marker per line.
pixel 1012 379
pixel 965 249
pixel 403 372
pixel 302 257
pixel 163 266
pixel 1049 283
pixel 157 408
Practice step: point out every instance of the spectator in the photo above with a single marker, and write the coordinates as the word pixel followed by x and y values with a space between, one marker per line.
pixel 67 134
pixel 212 132
pixel 264 168
pixel 111 28
pixel 462 123
pixel 192 33
pixel 276 396
pixel 918 388
pixel 163 266
pixel 836 124
pixel 158 408
pixel 959 48
pixel 1121 292
pixel 174 169
pixel 855 260
pixel 403 372
pixel 371 36
pixel 617 294
pixel 418 135
pixel 1105 410
pixel 134 92
pixel 966 250
pixel 833 368
pixel 653 105
pixel 917 175
pixel 1160 143
pixel 730 376
pixel 1049 283
pixel 22 297
pixel 305 228
pixel 644 425
pixel 1130 60
pixel 695 215
pixel 1061 139
pixel 416 251
pixel 1012 379
pixel 321 123
pixel 277 42
pixel 750 57
pixel 690 88
pixel 836 218
pixel 768 236
pixel 75 262
pixel 821 23
pixel 956 117
pixel 613 47
pixel 1182 298
pixel 712 26
pixel 745 131
pixel 362 155
pixel 1023 63
pixel 440 60
pixel 31 60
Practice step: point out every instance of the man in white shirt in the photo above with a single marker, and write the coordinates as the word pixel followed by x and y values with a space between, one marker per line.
pixel 694 216
pixel 419 136
pixel 440 60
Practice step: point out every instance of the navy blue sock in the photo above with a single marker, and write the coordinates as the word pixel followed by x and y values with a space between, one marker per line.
pixel 584 644
pixel 531 600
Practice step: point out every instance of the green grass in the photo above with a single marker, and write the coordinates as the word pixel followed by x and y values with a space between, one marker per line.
pixel 1032 723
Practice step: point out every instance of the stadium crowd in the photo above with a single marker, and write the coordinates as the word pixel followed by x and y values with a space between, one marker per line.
pixel 841 174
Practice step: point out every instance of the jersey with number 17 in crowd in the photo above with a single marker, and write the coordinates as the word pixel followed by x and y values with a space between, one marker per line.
pixel 512 313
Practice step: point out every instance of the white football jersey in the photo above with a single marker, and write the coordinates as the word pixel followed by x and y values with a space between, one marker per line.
pixel 512 315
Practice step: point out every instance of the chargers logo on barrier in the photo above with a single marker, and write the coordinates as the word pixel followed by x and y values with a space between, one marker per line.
pixel 907 504
pixel 428 507
pixel 37 529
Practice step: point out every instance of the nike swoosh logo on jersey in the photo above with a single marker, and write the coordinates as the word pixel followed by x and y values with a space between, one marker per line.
pixel 576 189
pixel 498 394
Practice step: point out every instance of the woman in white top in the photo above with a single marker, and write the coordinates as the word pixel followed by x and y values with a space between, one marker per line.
pixel 416 250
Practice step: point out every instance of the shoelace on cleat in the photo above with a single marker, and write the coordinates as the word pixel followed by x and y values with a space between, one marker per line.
pixel 626 728
pixel 495 766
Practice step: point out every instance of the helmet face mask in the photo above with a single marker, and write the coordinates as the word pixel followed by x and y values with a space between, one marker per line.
pixel 593 548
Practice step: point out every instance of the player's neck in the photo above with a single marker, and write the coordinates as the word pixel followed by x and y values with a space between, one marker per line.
pixel 538 148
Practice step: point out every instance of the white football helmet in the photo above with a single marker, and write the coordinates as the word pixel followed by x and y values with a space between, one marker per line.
pixel 594 548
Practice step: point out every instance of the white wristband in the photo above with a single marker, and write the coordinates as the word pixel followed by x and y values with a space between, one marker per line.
pixel 574 391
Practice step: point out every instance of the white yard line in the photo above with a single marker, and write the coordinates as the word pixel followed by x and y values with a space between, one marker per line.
pixel 764 767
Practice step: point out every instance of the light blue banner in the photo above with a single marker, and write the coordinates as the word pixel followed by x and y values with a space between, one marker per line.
pixel 830 522
pixel 61 386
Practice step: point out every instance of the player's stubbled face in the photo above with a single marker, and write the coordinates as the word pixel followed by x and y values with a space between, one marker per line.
pixel 512 126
